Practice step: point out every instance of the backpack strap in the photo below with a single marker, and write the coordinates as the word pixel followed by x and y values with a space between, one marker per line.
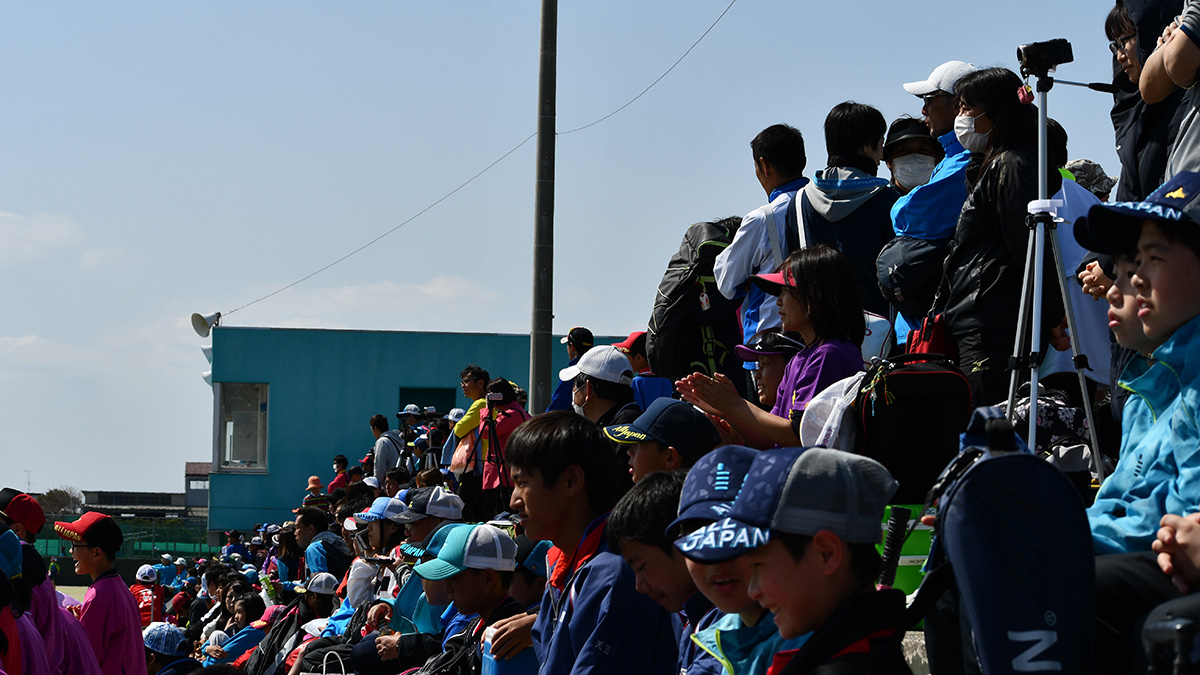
pixel 773 236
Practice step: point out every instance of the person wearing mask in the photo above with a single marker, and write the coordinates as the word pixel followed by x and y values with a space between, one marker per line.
pixel 926 213
pixel 578 341
pixel 986 265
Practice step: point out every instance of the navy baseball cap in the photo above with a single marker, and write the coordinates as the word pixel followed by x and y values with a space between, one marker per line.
pixel 1114 227
pixel 712 485
pixel 672 422
pixel 774 344
pixel 799 491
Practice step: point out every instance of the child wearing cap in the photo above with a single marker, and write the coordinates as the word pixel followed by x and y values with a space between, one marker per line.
pixel 1159 467
pixel 592 619
pixel 148 594
pixel 808 521
pixel 670 435
pixel 770 355
pixel 476 564
pixel 109 615
pixel 529 578
pixel 167 651
pixel 637 531
pixel 24 516
pixel 744 639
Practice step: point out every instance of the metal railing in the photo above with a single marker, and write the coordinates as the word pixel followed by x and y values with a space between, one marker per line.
pixel 145 537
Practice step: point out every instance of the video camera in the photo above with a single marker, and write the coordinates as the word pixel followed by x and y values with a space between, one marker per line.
pixel 1039 58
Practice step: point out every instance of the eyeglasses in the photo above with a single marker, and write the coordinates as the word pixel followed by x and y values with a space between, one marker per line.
pixel 81 544
pixel 1119 44
pixel 931 98
pixel 466 382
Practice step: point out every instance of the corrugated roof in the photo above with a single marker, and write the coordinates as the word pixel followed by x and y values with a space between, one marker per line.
pixel 197 468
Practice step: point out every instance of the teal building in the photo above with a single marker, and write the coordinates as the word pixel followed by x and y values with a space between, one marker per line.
pixel 286 400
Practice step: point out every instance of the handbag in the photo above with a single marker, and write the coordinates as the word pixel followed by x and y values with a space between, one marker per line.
pixel 931 337
pixel 325 665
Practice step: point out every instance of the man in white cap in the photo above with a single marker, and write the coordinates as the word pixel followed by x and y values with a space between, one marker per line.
pixel 148 594
pixel 929 212
pixel 165 570
pixel 602 390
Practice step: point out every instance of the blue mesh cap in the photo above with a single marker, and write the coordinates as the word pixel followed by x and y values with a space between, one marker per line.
pixel 163 638
pixel 1113 227
pixel 712 485
pixel 749 518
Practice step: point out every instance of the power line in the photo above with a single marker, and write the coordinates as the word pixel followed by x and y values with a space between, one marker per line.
pixel 485 169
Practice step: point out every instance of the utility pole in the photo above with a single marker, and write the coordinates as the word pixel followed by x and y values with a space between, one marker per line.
pixel 543 232
pixel 28 482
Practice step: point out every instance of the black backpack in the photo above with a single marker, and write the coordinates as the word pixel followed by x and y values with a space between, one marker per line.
pixel 908 416
pixel 693 328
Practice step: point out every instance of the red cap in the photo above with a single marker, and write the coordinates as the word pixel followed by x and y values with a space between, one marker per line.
pixel 773 283
pixel 25 510
pixel 627 344
pixel 93 527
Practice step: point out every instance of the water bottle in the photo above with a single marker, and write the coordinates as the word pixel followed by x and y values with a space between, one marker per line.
pixel 524 663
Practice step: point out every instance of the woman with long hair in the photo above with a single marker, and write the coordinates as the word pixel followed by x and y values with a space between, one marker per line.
pixel 986 264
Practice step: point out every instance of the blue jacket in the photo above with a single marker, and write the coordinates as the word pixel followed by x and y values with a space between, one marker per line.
pixel 561 399
pixel 165 575
pixel 239 643
pixel 743 649
pixel 930 211
pixel 1158 471
pixel 601 624
pixel 647 388
pixel 697 615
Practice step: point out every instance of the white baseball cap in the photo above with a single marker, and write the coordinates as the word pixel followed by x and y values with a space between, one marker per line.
pixel 411 409
pixel 943 78
pixel 603 363
pixel 371 481
pixel 180 561
pixel 166 557
pixel 455 415
pixel 146 573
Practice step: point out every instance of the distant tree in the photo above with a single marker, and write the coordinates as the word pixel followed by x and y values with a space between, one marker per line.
pixel 62 499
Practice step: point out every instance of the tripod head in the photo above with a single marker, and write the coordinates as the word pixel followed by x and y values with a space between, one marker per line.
pixel 1039 58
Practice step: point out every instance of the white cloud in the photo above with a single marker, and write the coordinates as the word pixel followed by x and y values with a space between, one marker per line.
pixel 26 238
pixel 94 257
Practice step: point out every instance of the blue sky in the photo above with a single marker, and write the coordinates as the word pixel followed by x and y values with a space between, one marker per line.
pixel 158 159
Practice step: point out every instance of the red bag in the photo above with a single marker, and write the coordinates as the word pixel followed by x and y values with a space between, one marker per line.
pixel 931 338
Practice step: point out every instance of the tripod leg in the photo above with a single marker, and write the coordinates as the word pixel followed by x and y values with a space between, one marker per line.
pixel 1078 357
pixel 1035 339
pixel 1022 327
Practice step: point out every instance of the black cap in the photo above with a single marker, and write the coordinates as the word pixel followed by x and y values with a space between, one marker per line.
pixel 581 337
pixel 906 128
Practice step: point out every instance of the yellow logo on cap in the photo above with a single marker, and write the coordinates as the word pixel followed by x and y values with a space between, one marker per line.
pixel 1177 193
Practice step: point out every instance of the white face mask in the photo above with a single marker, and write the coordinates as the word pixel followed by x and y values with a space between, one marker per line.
pixel 964 129
pixel 578 410
pixel 912 170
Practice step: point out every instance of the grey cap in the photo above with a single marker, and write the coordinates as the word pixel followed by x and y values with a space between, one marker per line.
pixel 837 491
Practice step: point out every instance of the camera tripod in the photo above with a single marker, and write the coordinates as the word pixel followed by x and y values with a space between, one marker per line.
pixel 1042 222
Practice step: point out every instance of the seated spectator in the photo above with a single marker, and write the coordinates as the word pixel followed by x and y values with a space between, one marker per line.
pixel 565 479
pixel 430 478
pixel 148 594
pixel 646 385
pixel 393 481
pixel 808 520
pixel 324 551
pixel 164 572
pixel 670 435
pixel 249 630
pixel 427 508
pixel 109 614
pixel 602 391
pixel 476 563
pixel 287 632
pixel 167 651
pixel 637 532
pixel 744 637
pixel 578 341
pixel 770 355
pixel 529 578
pixel 818 298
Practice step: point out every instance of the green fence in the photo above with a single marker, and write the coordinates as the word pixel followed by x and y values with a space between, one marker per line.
pixel 144 537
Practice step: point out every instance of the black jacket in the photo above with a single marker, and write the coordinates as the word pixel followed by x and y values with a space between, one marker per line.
pixel 1144 133
pixel 987 257
pixel 863 635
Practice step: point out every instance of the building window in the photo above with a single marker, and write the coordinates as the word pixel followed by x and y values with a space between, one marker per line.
pixel 195 484
pixel 242 427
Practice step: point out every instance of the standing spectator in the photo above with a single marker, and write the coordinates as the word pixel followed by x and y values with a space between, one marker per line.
pixel 1146 118
pixel 388 446
pixel 602 387
pixel 987 262
pixel 762 242
pixel 340 480
pixel 313 498
pixel 910 154
pixel 503 416
pixel 467 457
pixel 646 385
pixel 109 615
pixel 578 341
pixel 847 206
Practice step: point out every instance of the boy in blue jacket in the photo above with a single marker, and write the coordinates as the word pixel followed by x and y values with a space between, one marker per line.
pixel 743 638
pixel 592 619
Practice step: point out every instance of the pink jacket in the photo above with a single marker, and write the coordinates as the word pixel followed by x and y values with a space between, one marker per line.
pixel 113 625
pixel 43 609
pixel 33 650
pixel 77 655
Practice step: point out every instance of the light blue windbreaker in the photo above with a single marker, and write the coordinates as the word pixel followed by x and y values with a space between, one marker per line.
pixel 745 650
pixel 930 211
pixel 1158 471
